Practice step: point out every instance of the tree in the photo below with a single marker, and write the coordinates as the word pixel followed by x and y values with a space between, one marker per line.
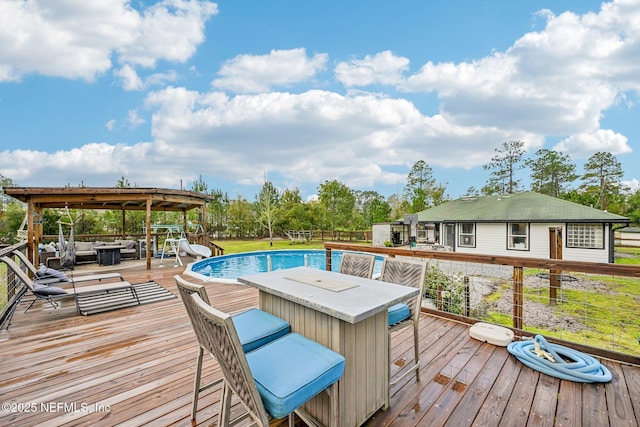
pixel 241 218
pixel 551 172
pixel 4 199
pixel 371 208
pixel 338 202
pixel 218 212
pixel 503 167
pixel 399 206
pixel 266 204
pixel 10 220
pixel 472 191
pixel 199 186
pixel 602 175
pixel 294 214
pixel 123 183
pixel 632 207
pixel 421 188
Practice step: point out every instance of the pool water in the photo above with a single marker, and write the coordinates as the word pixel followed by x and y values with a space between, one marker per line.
pixel 230 267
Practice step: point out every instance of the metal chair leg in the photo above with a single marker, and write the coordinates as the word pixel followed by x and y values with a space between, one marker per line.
pixel 196 383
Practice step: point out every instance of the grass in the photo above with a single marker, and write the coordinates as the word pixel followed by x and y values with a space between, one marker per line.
pixel 610 316
pixel 632 256
pixel 237 246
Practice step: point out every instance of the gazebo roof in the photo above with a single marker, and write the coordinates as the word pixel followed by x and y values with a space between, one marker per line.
pixel 113 198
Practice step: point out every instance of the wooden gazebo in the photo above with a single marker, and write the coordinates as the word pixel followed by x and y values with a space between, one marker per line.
pixel 103 198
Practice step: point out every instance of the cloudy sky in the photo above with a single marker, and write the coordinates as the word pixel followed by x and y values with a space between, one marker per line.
pixel 299 92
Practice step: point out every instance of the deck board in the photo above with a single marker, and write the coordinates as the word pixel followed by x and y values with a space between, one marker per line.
pixel 140 361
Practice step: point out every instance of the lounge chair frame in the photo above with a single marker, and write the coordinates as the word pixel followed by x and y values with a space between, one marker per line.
pixel 24 261
pixel 84 290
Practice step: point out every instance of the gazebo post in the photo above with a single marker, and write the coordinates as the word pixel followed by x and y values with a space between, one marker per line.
pixel 148 234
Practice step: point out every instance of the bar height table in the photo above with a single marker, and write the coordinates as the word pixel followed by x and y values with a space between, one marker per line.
pixel 347 314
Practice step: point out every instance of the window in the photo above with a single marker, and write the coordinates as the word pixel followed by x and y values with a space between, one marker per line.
pixel 590 236
pixel 518 236
pixel 467 237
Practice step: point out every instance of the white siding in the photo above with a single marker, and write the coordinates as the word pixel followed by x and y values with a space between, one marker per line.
pixel 381 234
pixel 491 239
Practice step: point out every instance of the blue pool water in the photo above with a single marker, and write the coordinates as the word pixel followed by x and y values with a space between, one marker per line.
pixel 230 267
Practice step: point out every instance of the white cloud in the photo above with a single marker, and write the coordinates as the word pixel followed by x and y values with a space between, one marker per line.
pixel 134 119
pixel 585 144
pixel 259 73
pixel 129 77
pixel 169 30
pixel 558 81
pixel 111 124
pixel 77 40
pixel 632 185
pixel 383 67
pixel 311 136
pixel 132 82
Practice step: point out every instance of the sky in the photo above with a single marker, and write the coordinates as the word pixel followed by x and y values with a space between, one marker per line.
pixel 236 92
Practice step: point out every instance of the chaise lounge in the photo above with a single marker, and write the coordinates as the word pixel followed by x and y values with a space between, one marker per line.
pixel 51 293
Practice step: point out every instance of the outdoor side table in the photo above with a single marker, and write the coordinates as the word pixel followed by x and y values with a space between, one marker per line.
pixel 108 254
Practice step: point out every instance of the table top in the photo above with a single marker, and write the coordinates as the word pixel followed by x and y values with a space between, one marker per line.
pixel 108 247
pixel 345 297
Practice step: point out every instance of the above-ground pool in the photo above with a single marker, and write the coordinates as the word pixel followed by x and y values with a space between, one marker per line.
pixel 230 267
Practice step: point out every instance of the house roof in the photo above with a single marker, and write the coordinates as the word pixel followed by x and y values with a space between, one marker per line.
pixel 630 230
pixel 525 207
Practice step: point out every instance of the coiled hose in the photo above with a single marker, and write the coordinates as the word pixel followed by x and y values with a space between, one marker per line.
pixel 549 359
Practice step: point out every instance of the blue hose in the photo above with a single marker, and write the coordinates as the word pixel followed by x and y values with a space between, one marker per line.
pixel 584 368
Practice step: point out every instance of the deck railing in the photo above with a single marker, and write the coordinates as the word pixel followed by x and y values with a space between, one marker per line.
pixel 594 306
pixel 9 293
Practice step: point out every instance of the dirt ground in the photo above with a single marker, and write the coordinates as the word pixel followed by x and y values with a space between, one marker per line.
pixel 541 315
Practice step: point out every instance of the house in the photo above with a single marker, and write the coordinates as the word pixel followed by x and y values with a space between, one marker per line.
pixel 628 236
pixel 525 224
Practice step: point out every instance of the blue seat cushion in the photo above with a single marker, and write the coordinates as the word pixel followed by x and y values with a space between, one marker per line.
pixel 256 328
pixel 291 370
pixel 398 313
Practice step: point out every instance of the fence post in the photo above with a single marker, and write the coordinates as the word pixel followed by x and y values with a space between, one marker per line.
pixel 518 277
pixel 467 296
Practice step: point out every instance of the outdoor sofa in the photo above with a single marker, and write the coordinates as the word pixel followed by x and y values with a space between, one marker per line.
pixel 86 251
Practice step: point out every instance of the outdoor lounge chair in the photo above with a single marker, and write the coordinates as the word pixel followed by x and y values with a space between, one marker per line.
pixel 49 276
pixel 404 314
pixel 49 293
pixel 360 265
pixel 275 380
pixel 255 328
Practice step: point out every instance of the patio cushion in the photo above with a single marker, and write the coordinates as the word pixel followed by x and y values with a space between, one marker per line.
pixel 45 290
pixel 44 271
pixel 83 246
pixel 398 313
pixel 256 328
pixel 291 370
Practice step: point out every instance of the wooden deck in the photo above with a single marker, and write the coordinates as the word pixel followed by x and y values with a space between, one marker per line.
pixel 135 366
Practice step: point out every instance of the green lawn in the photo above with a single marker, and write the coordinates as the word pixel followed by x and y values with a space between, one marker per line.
pixel 631 256
pixel 602 313
pixel 237 246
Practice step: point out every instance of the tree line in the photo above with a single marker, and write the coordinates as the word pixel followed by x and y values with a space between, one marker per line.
pixel 274 212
